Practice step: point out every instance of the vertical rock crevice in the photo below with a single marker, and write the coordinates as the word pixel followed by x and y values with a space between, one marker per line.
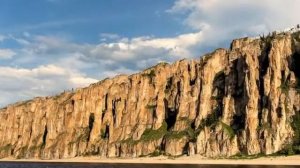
pixel 91 125
pixel 219 92
pixel 45 136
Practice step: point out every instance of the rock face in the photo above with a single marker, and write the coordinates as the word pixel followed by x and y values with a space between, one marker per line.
pixel 242 100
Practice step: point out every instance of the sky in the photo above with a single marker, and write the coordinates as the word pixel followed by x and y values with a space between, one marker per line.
pixel 48 46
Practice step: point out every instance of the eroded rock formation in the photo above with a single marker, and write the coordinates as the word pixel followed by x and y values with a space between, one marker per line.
pixel 242 100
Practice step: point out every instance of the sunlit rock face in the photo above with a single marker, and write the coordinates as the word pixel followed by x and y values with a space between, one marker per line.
pixel 242 100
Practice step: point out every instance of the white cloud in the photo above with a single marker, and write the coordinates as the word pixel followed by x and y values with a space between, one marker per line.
pixel 109 36
pixel 6 53
pixel 133 54
pixel 143 48
pixel 62 64
pixel 220 21
pixel 22 83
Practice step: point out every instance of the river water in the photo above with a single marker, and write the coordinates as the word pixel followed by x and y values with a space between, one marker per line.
pixel 110 165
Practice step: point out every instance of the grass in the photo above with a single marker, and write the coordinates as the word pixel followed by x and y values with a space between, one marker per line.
pixel 129 141
pixel 150 134
pixel 176 134
pixel 189 132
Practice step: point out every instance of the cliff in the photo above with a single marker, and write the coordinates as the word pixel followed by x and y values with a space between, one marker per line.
pixel 242 100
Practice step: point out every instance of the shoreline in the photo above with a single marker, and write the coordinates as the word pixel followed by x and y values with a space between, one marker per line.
pixel 190 160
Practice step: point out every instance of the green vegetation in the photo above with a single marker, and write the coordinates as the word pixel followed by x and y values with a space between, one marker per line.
pixel 22 152
pixel 296 36
pixel 157 65
pixel 268 39
pixel 214 97
pixel 82 134
pixel 176 134
pixel 285 87
pixel 264 126
pixel 155 153
pixel 129 141
pixel 37 147
pixel 287 150
pixel 229 131
pixel 151 107
pixel 103 134
pixel 211 119
pixel 162 64
pixel 296 127
pixel 6 148
pixel 150 134
pixel 188 132
pixel 151 74
pixel 245 156
pixel 293 147
pixel 297 85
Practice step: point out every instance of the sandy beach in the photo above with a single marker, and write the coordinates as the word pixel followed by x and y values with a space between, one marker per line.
pixel 279 160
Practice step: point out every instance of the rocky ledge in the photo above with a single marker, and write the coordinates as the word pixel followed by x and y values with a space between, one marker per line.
pixel 242 100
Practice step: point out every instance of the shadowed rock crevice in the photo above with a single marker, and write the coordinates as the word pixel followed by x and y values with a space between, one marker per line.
pixel 45 136
pixel 91 124
pixel 106 132
pixel 239 96
pixel 171 110
pixel 219 92
pixel 294 62
pixel 105 107
pixel 114 108
pixel 263 102
pixel 295 67
pixel 169 84
pixel 170 115
pixel 238 88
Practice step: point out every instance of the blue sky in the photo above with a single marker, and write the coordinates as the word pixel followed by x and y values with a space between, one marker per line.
pixel 83 21
pixel 47 46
